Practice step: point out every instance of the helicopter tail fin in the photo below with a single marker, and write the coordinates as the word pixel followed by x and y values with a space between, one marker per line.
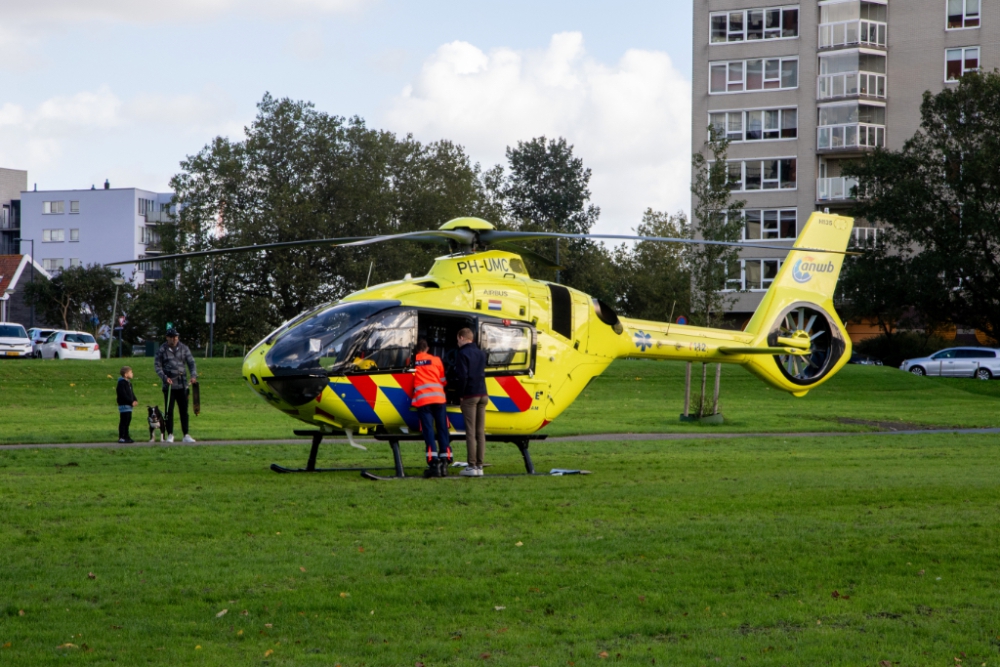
pixel 799 304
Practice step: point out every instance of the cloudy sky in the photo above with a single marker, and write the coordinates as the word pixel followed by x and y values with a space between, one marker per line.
pixel 124 89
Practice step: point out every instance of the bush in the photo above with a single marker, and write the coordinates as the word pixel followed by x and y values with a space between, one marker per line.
pixel 907 345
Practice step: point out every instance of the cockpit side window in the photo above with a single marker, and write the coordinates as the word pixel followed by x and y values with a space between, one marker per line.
pixel 389 344
pixel 507 347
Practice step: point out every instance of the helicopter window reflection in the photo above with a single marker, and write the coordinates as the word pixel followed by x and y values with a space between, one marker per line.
pixel 506 347
pixel 389 344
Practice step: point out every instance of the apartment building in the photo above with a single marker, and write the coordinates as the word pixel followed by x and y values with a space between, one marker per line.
pixel 82 227
pixel 12 182
pixel 801 89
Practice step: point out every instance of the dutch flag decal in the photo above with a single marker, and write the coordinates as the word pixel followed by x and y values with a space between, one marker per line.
pixel 496 304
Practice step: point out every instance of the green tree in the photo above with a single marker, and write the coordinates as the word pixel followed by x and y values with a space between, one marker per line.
pixel 77 295
pixel 655 277
pixel 303 174
pixel 718 218
pixel 941 195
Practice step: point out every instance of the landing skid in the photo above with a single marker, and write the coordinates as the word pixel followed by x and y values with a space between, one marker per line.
pixel 522 442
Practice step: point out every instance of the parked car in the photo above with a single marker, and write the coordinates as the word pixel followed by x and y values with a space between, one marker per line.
pixel 70 345
pixel 864 359
pixel 14 341
pixel 38 337
pixel 979 362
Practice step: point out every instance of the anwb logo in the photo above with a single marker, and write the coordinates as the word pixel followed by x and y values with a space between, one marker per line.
pixel 801 269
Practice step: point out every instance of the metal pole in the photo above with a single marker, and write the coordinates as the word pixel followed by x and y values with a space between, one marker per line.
pixel 211 324
pixel 687 389
pixel 111 332
pixel 557 259
pixel 704 379
pixel 718 378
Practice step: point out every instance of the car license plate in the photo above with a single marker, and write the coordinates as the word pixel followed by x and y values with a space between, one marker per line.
pixel 10 353
pixel 81 349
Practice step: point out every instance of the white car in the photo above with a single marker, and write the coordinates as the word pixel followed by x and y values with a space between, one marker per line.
pixel 38 337
pixel 966 362
pixel 14 341
pixel 70 345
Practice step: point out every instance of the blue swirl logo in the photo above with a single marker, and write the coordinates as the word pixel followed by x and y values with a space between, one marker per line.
pixel 803 269
pixel 643 340
pixel 798 274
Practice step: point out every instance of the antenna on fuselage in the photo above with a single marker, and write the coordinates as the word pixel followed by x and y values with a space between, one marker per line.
pixel 369 279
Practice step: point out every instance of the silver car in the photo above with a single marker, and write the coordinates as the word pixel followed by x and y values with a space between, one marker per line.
pixel 982 363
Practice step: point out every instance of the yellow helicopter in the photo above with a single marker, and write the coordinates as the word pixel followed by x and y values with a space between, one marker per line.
pixel 346 368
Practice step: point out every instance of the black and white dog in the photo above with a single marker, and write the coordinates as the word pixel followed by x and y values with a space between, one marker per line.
pixel 156 421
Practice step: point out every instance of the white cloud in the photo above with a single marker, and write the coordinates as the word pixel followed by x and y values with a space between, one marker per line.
pixel 306 43
pixel 146 11
pixel 630 122
pixel 66 140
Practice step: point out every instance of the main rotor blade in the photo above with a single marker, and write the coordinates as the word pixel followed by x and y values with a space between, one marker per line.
pixel 246 248
pixel 530 254
pixel 496 235
pixel 463 236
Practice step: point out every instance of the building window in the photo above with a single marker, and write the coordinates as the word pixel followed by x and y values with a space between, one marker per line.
pixel 52 207
pixel 146 206
pixel 753 274
pixel 74 261
pixel 963 14
pixel 754 24
pixel 148 236
pixel 770 224
pixel 960 61
pixel 740 76
pixel 769 174
pixel 74 207
pixel 74 235
pixel 53 235
pixel 756 124
pixel 52 264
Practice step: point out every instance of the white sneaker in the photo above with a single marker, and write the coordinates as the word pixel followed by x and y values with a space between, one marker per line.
pixel 170 438
pixel 468 472
pixel 479 471
pixel 188 438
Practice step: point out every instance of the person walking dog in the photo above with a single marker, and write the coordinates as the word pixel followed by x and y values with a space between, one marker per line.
pixel 169 364
pixel 429 400
pixel 126 401
pixel 471 372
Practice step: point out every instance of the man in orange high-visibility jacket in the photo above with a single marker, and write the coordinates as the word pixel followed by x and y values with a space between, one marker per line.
pixel 429 400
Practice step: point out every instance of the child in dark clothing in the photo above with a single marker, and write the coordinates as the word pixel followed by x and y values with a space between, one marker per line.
pixel 126 401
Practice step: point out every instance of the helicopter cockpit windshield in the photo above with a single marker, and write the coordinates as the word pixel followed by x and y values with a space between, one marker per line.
pixel 347 338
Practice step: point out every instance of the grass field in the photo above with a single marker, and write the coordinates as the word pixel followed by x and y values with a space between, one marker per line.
pixel 778 551
pixel 50 401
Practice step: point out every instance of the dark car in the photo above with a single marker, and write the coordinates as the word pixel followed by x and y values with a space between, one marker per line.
pixel 864 359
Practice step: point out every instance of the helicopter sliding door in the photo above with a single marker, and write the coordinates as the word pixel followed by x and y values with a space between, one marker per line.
pixel 440 330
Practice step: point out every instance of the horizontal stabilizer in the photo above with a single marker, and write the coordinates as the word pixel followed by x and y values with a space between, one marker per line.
pixel 764 350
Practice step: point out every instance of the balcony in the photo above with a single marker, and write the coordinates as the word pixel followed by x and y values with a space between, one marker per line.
pixel 850 136
pixel 153 217
pixel 852 33
pixel 850 84
pixel 864 237
pixel 835 189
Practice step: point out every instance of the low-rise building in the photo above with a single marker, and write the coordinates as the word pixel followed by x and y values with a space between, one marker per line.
pixel 95 226
pixel 12 182
pixel 16 272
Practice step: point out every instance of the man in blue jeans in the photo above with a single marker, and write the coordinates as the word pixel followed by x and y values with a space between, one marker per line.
pixel 471 372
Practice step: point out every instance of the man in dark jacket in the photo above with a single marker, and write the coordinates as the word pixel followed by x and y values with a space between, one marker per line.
pixel 471 372
pixel 170 361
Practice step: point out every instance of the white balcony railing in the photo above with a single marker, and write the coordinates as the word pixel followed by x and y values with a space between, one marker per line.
pixel 851 135
pixel 852 33
pixel 833 189
pixel 158 216
pixel 864 236
pixel 847 84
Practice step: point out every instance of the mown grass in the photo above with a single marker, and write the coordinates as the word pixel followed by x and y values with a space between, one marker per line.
pixel 48 401
pixel 699 552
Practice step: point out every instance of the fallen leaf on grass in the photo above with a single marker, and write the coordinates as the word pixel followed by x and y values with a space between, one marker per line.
pixel 7 645
pixel 268 625
pixel 499 608
pixel 484 656
pixel 345 595
pixel 268 652
pixel 198 647
pixel 20 612
pixel 921 573
pixel 361 550
pixel 642 598
pixel 222 613
pixel 239 634
pixel 302 569
pixel 244 613
pixel 835 595
pixel 418 664
pixel 602 655
pixel 885 663
pixel 519 544
pixel 68 645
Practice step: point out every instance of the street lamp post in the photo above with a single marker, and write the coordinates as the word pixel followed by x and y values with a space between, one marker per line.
pixel 111 332
pixel 19 241
pixel 6 304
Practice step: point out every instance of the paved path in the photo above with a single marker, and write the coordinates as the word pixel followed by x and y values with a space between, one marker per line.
pixel 595 437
